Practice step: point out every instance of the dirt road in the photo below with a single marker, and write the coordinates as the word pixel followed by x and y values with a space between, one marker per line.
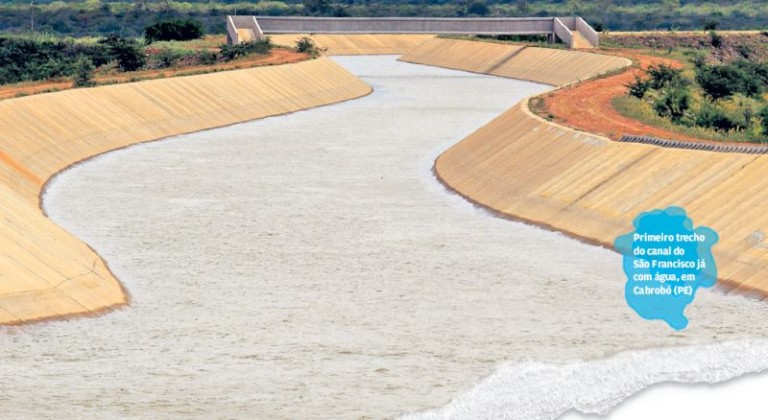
pixel 587 106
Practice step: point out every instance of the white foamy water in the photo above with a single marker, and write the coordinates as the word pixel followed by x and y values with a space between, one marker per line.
pixel 539 391
pixel 309 266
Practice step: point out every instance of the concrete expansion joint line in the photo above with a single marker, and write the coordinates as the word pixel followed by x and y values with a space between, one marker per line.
pixel 504 60
pixel 605 181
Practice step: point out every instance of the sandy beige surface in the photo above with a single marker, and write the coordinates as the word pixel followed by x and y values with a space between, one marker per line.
pixel 477 57
pixel 543 65
pixel 44 271
pixel 593 188
pixel 359 44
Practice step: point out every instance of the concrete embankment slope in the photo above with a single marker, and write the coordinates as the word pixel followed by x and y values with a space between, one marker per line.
pixel 589 186
pixel 359 44
pixel 592 188
pixel 46 272
pixel 543 65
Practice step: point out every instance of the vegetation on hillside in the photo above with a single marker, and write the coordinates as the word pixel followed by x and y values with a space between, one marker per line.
pixel 34 58
pixel 174 30
pixel 722 101
pixel 129 18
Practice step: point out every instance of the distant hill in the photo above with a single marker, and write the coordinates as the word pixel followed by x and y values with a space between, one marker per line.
pixel 128 18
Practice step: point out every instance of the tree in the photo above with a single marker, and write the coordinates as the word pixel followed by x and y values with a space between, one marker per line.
pixel 478 7
pixel 84 69
pixel 639 87
pixel 317 7
pixel 173 30
pixel 339 11
pixel 723 81
pixel 713 117
pixel 129 56
pixel 663 76
pixel 764 121
pixel 715 39
pixel 673 104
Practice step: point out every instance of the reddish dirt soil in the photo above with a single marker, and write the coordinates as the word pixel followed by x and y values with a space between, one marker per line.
pixel 587 106
pixel 276 56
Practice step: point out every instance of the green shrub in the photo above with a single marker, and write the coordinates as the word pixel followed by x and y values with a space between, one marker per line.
pixel 712 117
pixel 84 69
pixel 664 76
pixel 763 114
pixel 129 55
pixel 305 44
pixel 167 58
pixel 339 11
pixel 744 51
pixel 699 60
pixel 711 25
pixel 26 59
pixel 756 69
pixel 725 80
pixel 174 30
pixel 207 57
pixel 673 104
pixel 259 46
pixel 715 39
pixel 639 87
pixel 478 7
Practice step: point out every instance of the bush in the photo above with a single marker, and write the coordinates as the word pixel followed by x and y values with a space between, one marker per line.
pixel 673 104
pixel 725 80
pixel 664 76
pixel 744 51
pixel 711 25
pixel 207 57
pixel 306 45
pixel 339 11
pixel 84 69
pixel 317 7
pixel 167 58
pixel 173 30
pixel 478 7
pixel 129 55
pixel 699 60
pixel 754 69
pixel 715 39
pixel 639 87
pixel 259 46
pixel 763 114
pixel 716 119
pixel 23 59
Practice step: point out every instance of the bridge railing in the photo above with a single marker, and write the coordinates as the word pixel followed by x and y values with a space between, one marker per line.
pixel 241 27
pixel 478 26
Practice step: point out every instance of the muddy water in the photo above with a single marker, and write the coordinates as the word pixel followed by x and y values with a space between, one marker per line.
pixel 309 266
